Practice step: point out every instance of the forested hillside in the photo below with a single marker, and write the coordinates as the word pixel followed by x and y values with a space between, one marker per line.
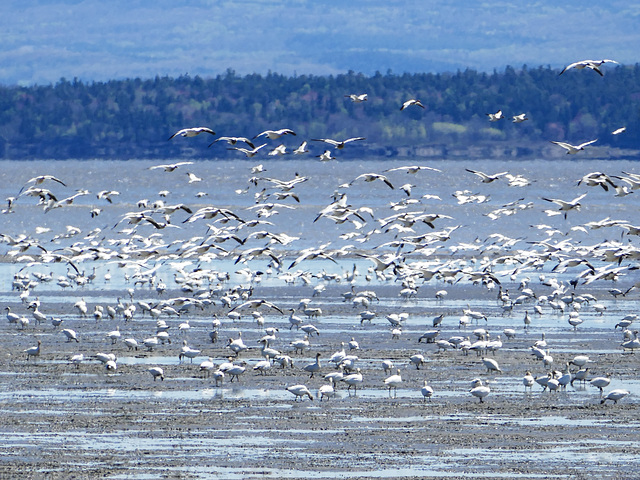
pixel 134 118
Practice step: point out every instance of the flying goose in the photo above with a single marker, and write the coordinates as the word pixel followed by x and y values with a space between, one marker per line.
pixel 338 144
pixel 192 132
pixel 411 102
pixel 592 64
pixel 573 149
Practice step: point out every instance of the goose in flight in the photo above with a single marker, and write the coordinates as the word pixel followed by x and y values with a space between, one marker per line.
pixel 370 177
pixel 494 117
pixel 618 131
pixel 592 64
pixel 192 132
pixel 170 167
pixel 326 156
pixel 520 118
pixel 486 178
pixel 40 179
pixel 248 153
pixel 234 140
pixel 275 134
pixel 410 103
pixel 355 98
pixel 573 149
pixel 566 206
pixel 301 149
pixel 338 144
pixel 413 169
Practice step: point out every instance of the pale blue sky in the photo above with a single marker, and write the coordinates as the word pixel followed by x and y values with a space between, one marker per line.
pixel 100 40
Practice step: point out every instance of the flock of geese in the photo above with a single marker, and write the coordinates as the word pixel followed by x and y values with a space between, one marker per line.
pixel 415 234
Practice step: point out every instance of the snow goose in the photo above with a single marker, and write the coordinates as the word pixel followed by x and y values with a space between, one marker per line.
pixel 114 335
pixel 410 103
pixel 206 367
pixel 353 380
pixel 275 134
pixel 393 382
pixel 249 152
pixel 77 359
pixel 427 391
pixel 601 383
pixel 187 351
pixel 237 345
pixel 486 178
pixel 494 117
pixel 357 98
pixel 33 351
pixel 131 343
pixel 491 364
pixel 566 206
pixel 313 367
pixel 156 372
pixel 192 132
pixel 339 144
pixel 573 149
pixel 520 118
pixel 262 366
pixel 300 345
pixel 592 64
pixel 70 334
pixel 417 360
pixel 300 391
pixel 235 371
pixel 480 391
pixel 615 395
pixel 528 381
pixel 327 390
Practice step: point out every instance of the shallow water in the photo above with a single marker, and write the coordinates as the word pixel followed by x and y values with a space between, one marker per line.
pixel 33 391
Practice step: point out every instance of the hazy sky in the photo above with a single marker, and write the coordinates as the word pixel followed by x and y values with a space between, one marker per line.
pixel 112 39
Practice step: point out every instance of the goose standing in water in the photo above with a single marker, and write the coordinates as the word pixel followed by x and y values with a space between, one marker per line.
pixel 300 391
pixel 327 390
pixel 353 380
pixel 615 395
pixel 393 382
pixel 156 372
pixel 313 367
pixel 33 351
pixel 480 391
pixel 427 391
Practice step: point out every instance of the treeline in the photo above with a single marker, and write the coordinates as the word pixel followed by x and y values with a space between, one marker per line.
pixel 133 118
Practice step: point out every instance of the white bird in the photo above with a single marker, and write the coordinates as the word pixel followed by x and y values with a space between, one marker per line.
pixel 573 149
pixel 410 103
pixel 486 178
pixel 618 131
pixel 207 366
pixel 237 345
pixel 339 144
pixel 77 359
pixel 491 365
pixel 249 152
pixel 114 335
pixel 528 381
pixel 187 351
pixel 275 134
pixel 171 166
pixel 192 132
pixel 156 372
pixel 70 334
pixel 313 367
pixel 601 383
pixel 235 371
pixel 417 360
pixel 480 391
pixel 300 391
pixel 33 351
pixel 427 391
pixel 327 390
pixel 393 382
pixel 357 98
pixel 353 380
pixel 567 206
pixel 494 117
pixel 520 118
pixel 326 156
pixel 615 395
pixel 592 64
